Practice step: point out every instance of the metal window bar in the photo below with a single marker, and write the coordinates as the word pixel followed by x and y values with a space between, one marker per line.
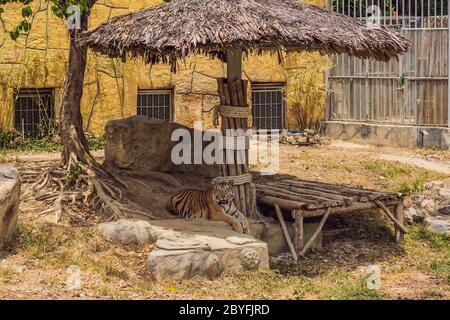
pixel 412 90
pixel 155 104
pixel 34 111
pixel 268 107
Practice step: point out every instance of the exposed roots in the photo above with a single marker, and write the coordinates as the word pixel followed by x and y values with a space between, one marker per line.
pixel 79 192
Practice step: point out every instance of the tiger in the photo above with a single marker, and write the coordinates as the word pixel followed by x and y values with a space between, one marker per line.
pixel 216 203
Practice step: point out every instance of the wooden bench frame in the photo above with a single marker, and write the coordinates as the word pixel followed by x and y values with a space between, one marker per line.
pixel 362 200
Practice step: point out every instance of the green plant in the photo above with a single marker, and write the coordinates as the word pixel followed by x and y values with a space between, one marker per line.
pixel 348 7
pixel 390 8
pixel 75 169
pixel 6 274
pixel 435 240
pixel 387 169
pixel 97 142
pixel 13 140
pixel 408 188
pixel 307 95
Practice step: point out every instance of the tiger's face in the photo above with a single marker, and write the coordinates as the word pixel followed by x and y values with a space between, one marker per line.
pixel 223 192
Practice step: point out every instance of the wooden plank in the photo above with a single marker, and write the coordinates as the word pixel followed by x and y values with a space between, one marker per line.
pixel 391 216
pixel 310 205
pixel 329 195
pixel 348 191
pixel 287 205
pixel 355 207
pixel 312 201
pixel 298 230
pixel 399 236
pixel 229 124
pixel 312 187
pixel 223 126
pixel 285 232
pixel 316 233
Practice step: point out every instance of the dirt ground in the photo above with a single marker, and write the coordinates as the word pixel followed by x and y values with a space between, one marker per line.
pixel 35 267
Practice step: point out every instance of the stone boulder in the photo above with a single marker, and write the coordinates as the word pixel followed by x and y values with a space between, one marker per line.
pixel 9 204
pixel 438 224
pixel 128 231
pixel 139 143
pixel 444 210
pixel 273 235
pixel 413 215
pixel 183 258
pixel 189 248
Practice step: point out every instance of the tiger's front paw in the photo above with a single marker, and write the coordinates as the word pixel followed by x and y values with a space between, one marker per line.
pixel 238 228
pixel 246 229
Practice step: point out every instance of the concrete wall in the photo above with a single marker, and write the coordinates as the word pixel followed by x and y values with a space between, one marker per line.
pixel 388 135
pixel 38 60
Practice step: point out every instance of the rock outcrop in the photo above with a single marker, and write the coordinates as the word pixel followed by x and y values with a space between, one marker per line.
pixel 9 203
pixel 184 249
pixel 199 247
pixel 431 207
pixel 137 143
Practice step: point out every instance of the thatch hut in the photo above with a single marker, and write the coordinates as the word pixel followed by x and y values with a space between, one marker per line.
pixel 225 29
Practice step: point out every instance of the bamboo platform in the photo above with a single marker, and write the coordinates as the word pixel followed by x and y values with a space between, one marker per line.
pixel 307 199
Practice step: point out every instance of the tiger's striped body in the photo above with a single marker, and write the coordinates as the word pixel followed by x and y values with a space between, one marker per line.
pixel 216 203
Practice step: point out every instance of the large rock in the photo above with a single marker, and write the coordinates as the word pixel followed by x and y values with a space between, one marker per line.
pixel 413 215
pixel 188 248
pixel 138 143
pixel 438 224
pixel 445 193
pixel 184 264
pixel 128 231
pixel 444 210
pixel 272 234
pixel 9 203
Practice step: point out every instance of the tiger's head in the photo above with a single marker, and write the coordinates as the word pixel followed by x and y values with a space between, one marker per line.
pixel 223 191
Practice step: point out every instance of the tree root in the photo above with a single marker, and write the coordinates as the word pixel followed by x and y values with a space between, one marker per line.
pixel 79 192
pixel 153 174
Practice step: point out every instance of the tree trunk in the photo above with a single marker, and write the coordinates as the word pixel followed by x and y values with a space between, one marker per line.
pixel 71 122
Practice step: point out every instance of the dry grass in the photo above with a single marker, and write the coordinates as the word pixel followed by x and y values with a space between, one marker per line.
pixel 117 271
pixel 35 267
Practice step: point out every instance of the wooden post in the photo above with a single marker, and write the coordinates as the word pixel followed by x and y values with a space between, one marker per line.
pixel 399 235
pixel 316 233
pixel 233 92
pixel 285 232
pixel 448 70
pixel 398 224
pixel 298 230
pixel 234 65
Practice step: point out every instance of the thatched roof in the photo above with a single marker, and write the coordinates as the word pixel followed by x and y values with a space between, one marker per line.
pixel 171 31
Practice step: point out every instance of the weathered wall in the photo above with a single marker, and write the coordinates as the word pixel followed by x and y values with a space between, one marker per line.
pixel 389 135
pixel 38 60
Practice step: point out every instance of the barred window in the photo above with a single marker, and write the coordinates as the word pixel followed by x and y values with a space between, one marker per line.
pixel 155 104
pixel 33 111
pixel 268 107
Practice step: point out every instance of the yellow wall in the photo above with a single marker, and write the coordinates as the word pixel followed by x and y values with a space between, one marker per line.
pixel 38 60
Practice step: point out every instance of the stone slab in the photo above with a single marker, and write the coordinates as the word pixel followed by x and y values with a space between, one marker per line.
pixel 138 143
pixel 272 234
pixel 188 248
pixel 9 204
